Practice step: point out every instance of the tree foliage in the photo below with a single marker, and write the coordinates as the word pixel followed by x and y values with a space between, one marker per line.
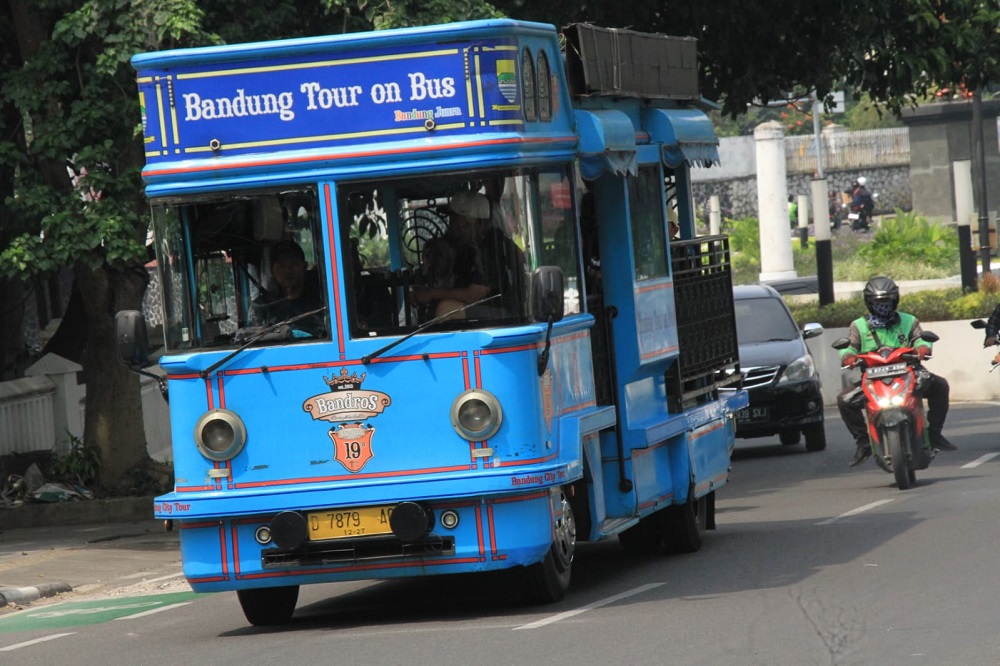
pixel 754 52
pixel 68 101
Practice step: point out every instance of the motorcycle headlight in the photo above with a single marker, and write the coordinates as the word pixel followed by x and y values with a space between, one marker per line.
pixel 476 415
pixel 798 370
pixel 220 434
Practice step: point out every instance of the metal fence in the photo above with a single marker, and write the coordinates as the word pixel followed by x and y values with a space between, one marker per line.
pixel 849 150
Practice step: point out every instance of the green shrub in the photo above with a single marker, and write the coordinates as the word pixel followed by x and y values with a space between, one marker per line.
pixel 938 305
pixel 912 238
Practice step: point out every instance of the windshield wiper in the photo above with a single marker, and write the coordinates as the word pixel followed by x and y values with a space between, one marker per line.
pixel 423 327
pixel 249 343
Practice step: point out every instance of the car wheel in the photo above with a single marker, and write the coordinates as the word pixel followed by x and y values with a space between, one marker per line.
pixel 790 437
pixel 815 437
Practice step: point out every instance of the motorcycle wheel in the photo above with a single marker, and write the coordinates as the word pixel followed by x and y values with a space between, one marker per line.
pixel 896 448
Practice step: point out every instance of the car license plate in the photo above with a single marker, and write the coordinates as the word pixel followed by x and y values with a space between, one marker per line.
pixel 752 415
pixel 349 522
pixel 890 370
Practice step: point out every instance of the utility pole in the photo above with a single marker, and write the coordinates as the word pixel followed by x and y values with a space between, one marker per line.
pixel 979 155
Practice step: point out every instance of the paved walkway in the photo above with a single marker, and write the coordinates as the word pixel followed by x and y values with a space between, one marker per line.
pixel 111 558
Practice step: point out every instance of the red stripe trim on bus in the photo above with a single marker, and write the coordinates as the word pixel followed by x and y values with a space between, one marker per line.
pixel 422 563
pixel 333 269
pixel 345 477
pixel 393 152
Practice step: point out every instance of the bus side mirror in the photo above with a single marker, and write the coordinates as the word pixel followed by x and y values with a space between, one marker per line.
pixel 133 341
pixel 547 297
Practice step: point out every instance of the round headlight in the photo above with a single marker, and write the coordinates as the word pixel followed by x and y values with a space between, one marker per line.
pixel 476 415
pixel 220 434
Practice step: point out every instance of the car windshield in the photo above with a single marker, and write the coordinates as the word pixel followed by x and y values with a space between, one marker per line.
pixel 763 320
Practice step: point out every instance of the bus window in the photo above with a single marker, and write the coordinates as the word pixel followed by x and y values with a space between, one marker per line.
pixel 459 248
pixel 645 201
pixel 559 243
pixel 231 267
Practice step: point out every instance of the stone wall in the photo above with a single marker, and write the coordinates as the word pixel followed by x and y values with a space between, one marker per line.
pixel 738 196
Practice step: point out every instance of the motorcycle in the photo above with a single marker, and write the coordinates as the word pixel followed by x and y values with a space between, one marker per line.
pixel 890 394
pixel 859 217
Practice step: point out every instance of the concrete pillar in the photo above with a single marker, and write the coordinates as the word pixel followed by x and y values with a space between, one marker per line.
pixel 802 208
pixel 965 207
pixel 821 231
pixel 965 215
pixel 772 203
pixel 714 216
pixel 66 416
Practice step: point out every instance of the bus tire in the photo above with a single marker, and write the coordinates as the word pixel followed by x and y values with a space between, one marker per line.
pixel 686 525
pixel 548 580
pixel 265 606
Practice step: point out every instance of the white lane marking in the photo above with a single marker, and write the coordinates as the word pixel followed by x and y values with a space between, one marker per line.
pixel 154 610
pixel 591 606
pixel 17 646
pixel 979 461
pixel 854 512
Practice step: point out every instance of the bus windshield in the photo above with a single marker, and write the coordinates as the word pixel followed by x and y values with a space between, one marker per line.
pixel 230 267
pixel 460 248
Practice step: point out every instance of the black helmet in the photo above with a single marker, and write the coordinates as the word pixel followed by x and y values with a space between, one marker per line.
pixel 881 296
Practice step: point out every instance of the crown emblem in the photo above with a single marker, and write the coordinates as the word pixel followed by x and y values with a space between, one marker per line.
pixel 345 382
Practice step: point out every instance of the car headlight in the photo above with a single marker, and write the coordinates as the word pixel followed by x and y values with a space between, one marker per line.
pixel 476 415
pixel 798 370
pixel 220 434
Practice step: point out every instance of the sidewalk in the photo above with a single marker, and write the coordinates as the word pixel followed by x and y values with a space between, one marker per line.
pixel 107 548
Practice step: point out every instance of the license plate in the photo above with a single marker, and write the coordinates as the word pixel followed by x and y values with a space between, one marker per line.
pixel 351 522
pixel 890 370
pixel 752 415
pixel 853 216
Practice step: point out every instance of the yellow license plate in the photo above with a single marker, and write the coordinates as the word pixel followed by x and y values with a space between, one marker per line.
pixel 353 522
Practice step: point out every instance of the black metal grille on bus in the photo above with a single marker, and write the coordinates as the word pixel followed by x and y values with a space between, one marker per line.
pixel 353 550
pixel 706 322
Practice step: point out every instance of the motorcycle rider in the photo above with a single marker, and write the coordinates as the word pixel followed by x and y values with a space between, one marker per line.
pixel 885 326
pixel 862 202
pixel 993 331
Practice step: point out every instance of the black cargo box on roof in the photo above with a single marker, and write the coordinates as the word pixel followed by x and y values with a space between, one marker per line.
pixel 624 63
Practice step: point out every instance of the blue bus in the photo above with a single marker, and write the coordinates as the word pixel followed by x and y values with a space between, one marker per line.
pixel 423 309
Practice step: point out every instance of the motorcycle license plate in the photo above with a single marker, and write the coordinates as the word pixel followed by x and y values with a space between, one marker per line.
pixel 752 415
pixel 890 370
pixel 350 522
pixel 853 216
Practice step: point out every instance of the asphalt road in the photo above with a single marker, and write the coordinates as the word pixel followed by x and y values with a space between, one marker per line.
pixel 812 563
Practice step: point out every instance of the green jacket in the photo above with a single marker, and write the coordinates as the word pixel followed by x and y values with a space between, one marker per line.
pixel 901 333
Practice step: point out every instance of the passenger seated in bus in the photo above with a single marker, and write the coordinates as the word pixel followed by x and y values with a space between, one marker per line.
pixel 294 290
pixel 484 262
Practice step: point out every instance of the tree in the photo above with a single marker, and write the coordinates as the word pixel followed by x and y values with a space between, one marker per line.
pixel 68 100
pixel 755 51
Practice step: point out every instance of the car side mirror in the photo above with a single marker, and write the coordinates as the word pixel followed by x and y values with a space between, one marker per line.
pixel 132 338
pixel 547 294
pixel 811 330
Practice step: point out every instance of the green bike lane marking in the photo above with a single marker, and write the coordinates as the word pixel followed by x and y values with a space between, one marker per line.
pixel 81 613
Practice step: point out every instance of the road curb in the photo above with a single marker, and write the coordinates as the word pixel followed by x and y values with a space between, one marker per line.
pixel 25 595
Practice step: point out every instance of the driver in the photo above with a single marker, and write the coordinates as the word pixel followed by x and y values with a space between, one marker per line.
pixel 294 290
pixel 885 326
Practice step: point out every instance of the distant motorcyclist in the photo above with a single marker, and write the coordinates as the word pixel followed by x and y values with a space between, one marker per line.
pixel 884 326
pixel 862 202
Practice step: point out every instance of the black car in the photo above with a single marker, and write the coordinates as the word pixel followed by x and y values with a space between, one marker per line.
pixel 779 375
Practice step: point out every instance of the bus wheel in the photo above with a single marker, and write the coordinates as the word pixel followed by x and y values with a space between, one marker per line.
pixel 685 525
pixel 268 605
pixel 548 580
